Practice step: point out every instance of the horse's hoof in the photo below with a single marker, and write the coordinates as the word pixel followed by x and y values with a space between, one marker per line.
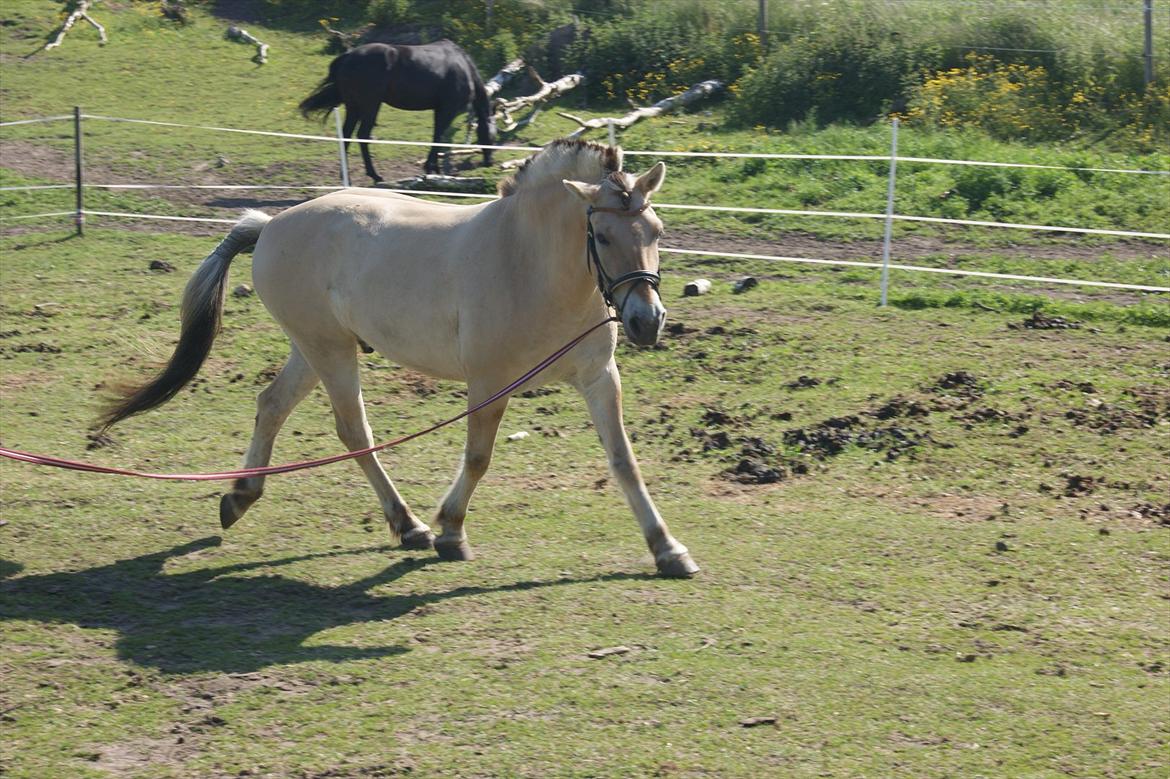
pixel 417 539
pixel 453 551
pixel 229 510
pixel 677 567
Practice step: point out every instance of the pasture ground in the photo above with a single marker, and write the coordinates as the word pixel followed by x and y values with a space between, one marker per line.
pixel 934 536
pixel 959 570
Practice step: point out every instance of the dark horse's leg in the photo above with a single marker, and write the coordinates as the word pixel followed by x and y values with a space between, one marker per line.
pixel 347 128
pixel 365 125
pixel 444 115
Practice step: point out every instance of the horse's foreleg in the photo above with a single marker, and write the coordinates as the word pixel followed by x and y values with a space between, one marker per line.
pixel 477 456
pixel 273 406
pixel 338 370
pixel 365 127
pixel 443 118
pixel 603 393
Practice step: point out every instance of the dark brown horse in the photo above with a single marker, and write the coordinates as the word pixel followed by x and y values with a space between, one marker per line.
pixel 437 77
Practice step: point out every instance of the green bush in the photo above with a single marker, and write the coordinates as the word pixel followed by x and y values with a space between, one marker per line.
pixel 661 49
pixel 851 70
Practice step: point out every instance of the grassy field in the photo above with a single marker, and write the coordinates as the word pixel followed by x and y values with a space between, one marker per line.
pixel 934 536
pixel 971 582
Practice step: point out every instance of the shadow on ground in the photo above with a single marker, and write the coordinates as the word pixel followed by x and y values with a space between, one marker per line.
pixel 213 619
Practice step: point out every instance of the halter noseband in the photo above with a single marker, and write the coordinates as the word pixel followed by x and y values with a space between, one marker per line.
pixel 605 283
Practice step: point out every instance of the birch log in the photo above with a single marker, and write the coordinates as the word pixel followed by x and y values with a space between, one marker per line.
pixel 695 93
pixel 240 34
pixel 548 90
pixel 80 12
pixel 506 74
pixel 433 181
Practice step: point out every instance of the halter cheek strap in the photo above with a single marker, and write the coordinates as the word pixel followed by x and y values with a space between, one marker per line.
pixel 605 283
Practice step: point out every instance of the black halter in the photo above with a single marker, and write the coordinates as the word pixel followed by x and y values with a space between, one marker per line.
pixel 605 283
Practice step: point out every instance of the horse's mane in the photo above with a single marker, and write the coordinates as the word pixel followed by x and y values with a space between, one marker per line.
pixel 564 159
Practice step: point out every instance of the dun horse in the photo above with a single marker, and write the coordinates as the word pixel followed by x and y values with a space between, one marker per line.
pixel 437 77
pixel 474 293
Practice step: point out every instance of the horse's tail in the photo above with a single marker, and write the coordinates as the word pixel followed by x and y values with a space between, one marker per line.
pixel 201 316
pixel 326 96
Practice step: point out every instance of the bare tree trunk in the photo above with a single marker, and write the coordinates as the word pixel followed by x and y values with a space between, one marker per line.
pixel 506 74
pixel 435 181
pixel 549 90
pixel 239 34
pixel 695 93
pixel 80 12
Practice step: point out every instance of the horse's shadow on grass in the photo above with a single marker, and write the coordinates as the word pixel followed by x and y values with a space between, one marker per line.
pixel 212 620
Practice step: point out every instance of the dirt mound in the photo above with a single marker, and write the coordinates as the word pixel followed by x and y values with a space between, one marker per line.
pixel 1106 418
pixel 1160 514
pixel 833 436
pixel 900 406
pixel 1040 321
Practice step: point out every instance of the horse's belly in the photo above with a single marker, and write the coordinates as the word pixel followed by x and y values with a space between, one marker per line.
pixel 434 356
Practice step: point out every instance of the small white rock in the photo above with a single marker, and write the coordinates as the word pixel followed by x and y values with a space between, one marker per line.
pixel 518 436
pixel 696 288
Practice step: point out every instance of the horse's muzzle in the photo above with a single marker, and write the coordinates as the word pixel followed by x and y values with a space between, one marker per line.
pixel 644 326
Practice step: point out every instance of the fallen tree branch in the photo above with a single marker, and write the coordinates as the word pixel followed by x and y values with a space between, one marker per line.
pixel 506 74
pixel 175 11
pixel 434 181
pixel 239 34
pixel 549 90
pixel 695 93
pixel 80 12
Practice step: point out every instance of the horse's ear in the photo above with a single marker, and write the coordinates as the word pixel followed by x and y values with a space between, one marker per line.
pixel 650 181
pixel 587 192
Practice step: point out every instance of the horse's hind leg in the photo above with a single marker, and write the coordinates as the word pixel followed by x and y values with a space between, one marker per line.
pixel 273 406
pixel 603 393
pixel 477 456
pixel 347 128
pixel 365 127
pixel 338 369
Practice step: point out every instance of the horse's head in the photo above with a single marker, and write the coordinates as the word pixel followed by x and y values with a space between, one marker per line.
pixel 622 236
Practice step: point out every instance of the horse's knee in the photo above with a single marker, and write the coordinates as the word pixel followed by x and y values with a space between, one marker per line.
pixel 476 465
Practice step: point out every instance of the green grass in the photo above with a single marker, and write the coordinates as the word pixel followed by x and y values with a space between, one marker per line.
pixel 864 604
pixel 845 602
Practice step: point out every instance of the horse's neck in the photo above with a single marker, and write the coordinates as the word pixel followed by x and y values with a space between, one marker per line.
pixel 555 221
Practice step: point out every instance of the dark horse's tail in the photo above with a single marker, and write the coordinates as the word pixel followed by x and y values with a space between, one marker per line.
pixel 326 96
pixel 201 315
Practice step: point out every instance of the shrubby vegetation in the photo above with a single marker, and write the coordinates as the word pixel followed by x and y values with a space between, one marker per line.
pixel 1051 70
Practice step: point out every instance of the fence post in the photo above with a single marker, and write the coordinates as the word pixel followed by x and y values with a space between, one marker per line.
pixel 612 134
pixel 79 217
pixel 1148 43
pixel 341 149
pixel 889 209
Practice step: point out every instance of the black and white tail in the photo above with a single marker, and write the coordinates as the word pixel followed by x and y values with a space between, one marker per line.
pixel 201 317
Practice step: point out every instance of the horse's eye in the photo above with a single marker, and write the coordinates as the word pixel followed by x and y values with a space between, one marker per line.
pixel 601 239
